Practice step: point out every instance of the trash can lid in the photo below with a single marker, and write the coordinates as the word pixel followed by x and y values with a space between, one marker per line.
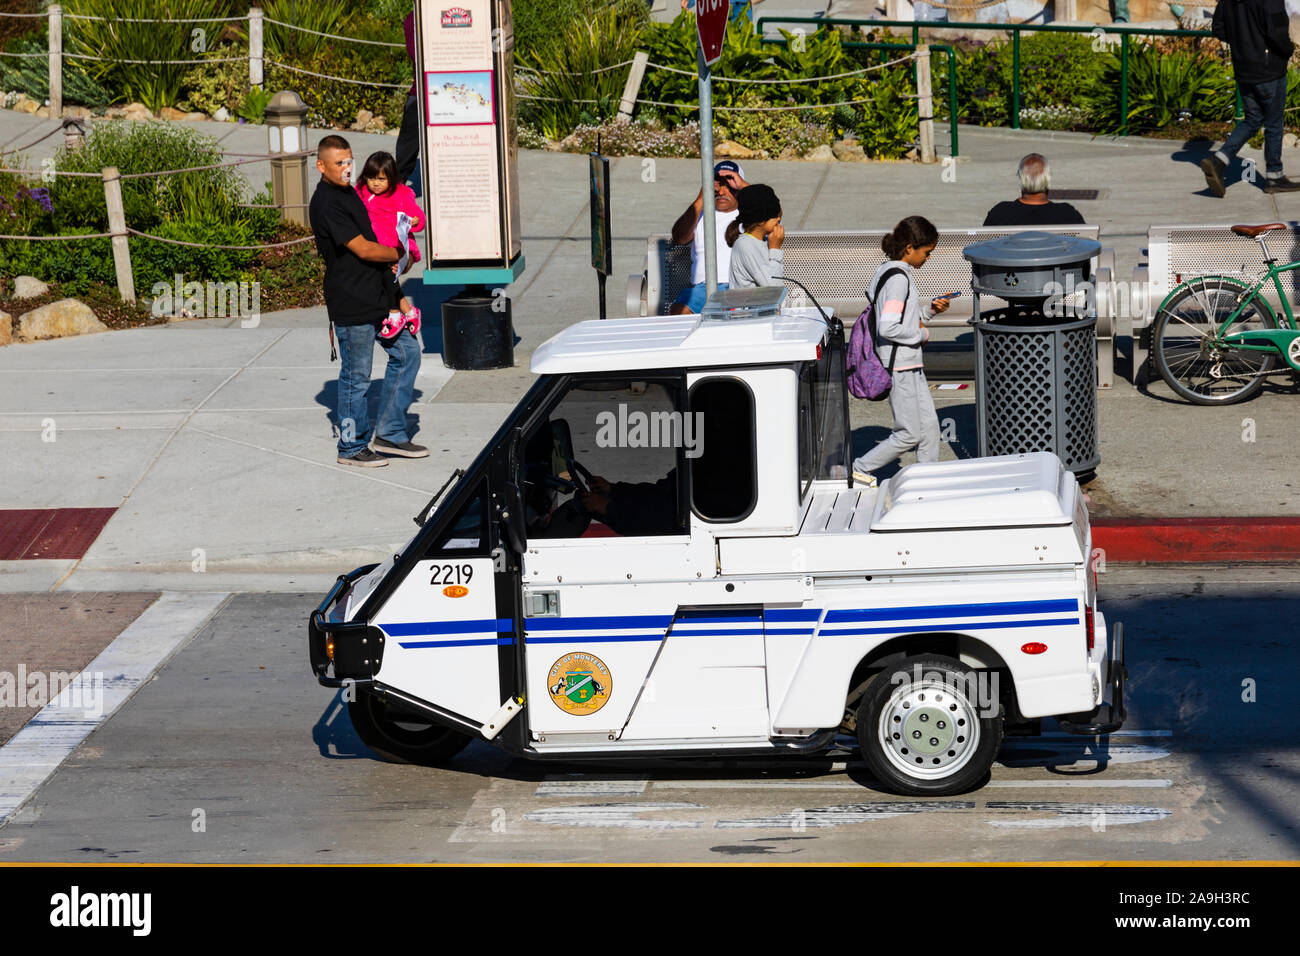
pixel 1031 249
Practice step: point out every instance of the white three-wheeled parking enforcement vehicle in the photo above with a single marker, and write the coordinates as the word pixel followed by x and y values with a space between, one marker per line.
pixel 662 553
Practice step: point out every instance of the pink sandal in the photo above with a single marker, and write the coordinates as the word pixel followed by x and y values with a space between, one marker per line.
pixel 392 325
pixel 413 321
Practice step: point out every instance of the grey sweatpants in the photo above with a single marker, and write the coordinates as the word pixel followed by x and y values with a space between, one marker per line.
pixel 916 424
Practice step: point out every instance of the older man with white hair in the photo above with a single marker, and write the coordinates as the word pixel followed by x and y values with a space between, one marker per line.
pixel 1033 208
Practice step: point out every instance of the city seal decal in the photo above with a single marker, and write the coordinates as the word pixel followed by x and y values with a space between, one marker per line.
pixel 580 684
pixel 457 17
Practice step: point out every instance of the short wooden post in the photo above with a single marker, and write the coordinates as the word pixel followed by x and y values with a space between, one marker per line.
pixel 925 103
pixel 899 10
pixel 1067 11
pixel 256 65
pixel 633 87
pixel 117 227
pixel 56 61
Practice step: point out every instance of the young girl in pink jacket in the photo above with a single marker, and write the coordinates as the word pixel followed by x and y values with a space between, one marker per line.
pixel 385 196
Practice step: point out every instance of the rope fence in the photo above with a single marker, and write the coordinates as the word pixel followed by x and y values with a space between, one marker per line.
pixel 332 36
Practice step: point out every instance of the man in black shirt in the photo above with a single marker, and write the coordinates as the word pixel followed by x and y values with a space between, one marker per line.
pixel 359 291
pixel 1032 208
pixel 1257 32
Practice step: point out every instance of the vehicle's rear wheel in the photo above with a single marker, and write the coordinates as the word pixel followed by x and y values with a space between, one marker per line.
pixel 402 736
pixel 925 729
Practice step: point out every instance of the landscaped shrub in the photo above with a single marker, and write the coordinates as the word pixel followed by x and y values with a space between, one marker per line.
pixel 112 43
pixel 78 264
pixel 636 139
pixel 1162 85
pixel 213 86
pixel 141 148
pixel 569 82
pixel 540 24
pixel 773 131
pixel 336 103
pixel 31 75
pixel 153 261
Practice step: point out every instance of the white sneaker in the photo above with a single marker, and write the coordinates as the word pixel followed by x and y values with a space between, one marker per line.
pixel 867 481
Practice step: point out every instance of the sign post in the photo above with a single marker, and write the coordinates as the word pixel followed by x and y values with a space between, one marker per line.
pixel 602 255
pixel 710 29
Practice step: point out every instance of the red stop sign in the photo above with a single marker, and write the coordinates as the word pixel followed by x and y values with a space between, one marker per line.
pixel 711 24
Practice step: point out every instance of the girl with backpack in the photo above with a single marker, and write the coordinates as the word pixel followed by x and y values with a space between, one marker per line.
pixel 896 310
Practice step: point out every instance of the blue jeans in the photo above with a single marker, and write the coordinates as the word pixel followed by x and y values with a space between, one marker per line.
pixel 356 353
pixel 694 296
pixel 1262 104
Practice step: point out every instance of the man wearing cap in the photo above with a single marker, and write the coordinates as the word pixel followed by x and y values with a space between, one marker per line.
pixel 728 179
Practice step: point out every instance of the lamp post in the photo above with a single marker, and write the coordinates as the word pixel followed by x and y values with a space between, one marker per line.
pixel 286 132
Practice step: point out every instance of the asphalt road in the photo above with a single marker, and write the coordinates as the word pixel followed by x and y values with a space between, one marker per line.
pixel 233 753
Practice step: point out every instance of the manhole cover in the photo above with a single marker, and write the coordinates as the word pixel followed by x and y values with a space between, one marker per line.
pixel 1065 195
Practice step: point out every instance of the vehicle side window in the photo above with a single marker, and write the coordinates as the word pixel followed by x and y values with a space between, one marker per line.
pixel 724 478
pixel 466 533
pixel 605 461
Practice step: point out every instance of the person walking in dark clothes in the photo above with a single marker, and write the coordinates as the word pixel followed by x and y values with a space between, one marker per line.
pixel 408 134
pixel 1256 30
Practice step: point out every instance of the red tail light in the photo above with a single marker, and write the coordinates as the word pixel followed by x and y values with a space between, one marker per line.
pixel 1088 622
pixel 1033 647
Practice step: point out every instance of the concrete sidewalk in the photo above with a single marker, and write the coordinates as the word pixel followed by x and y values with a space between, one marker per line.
pixel 215 442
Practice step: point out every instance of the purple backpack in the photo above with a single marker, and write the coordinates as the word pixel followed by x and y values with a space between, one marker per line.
pixel 867 377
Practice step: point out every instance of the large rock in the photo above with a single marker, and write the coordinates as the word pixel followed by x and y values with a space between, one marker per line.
pixel 222 115
pixel 54 321
pixel 730 149
pixel 83 113
pixel 179 116
pixel 847 151
pixel 137 112
pixel 1290 140
pixel 26 105
pixel 29 287
pixel 6 328
pixel 820 154
pixel 364 119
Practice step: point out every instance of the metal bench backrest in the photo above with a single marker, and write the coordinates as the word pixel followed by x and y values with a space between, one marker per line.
pixel 1178 252
pixel 837 265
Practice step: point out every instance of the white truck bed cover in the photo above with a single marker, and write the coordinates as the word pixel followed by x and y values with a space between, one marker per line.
pixel 1007 491
pixel 680 341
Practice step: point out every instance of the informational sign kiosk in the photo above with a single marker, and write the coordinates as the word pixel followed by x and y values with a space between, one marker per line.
pixel 469 170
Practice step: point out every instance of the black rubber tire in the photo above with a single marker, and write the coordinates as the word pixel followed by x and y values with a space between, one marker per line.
pixel 889 762
pixel 1220 294
pixel 402 737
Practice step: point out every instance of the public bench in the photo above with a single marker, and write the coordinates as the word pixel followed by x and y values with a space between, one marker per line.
pixel 837 265
pixel 1176 253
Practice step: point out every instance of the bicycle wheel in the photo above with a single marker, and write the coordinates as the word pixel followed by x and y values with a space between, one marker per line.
pixel 1188 347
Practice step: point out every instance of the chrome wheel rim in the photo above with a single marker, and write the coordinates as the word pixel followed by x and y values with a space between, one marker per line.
pixel 928 729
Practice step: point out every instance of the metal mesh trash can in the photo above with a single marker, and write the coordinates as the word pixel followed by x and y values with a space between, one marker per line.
pixel 1036 358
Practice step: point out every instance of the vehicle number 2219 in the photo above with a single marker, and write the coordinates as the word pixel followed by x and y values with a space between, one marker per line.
pixel 452 574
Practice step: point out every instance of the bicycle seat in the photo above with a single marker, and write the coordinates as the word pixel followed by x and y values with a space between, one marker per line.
pixel 1253 231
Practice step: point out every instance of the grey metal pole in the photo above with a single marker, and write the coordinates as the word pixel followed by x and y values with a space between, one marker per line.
pixel 706 174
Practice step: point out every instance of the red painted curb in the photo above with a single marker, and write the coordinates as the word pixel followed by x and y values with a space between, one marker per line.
pixel 1197 540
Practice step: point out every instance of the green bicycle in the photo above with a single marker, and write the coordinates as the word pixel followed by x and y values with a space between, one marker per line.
pixel 1215 338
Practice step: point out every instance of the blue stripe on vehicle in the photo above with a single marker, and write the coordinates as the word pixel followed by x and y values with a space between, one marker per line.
pixel 596 639
pixel 497 625
pixel 963 626
pixel 709 632
pixel 793 614
pixel 709 619
pixel 790 630
pixel 845 615
pixel 476 642
pixel 597 623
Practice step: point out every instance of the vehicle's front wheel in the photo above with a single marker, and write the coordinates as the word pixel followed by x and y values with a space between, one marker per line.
pixel 929 728
pixel 402 736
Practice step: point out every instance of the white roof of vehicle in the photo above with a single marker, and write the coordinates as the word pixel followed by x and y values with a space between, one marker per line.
pixel 1006 491
pixel 680 341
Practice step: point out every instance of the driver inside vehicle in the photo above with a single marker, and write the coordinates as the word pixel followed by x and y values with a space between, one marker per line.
pixel 562 498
